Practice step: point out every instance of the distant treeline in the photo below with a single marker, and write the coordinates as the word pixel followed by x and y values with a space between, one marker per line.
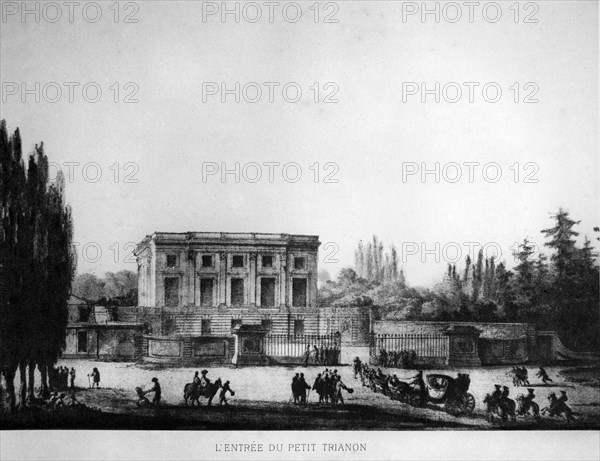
pixel 118 287
pixel 558 292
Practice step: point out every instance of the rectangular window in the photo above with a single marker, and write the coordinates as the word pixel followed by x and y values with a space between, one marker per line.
pixel 298 327
pixel 267 261
pixel 171 291
pixel 84 313
pixel 267 292
pixel 82 338
pixel 299 292
pixel 237 292
pixel 171 260
pixel 235 323
pixel 206 292
pixel 207 261
pixel 205 327
pixel 267 324
pixel 299 263
pixel 237 261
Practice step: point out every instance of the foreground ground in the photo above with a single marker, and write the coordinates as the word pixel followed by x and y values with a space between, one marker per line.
pixel 262 396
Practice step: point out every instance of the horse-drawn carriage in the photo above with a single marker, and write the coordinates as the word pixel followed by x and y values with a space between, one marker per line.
pixel 439 389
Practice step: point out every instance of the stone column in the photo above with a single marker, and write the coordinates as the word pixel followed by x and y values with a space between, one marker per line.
pixel 222 281
pixel 191 274
pixel 252 280
pixel 313 280
pixel 283 279
pixel 288 280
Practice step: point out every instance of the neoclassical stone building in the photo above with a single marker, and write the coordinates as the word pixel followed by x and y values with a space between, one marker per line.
pixel 218 281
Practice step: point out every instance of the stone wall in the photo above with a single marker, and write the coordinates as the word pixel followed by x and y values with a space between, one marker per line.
pixel 187 350
pixel 499 343
pixel 103 343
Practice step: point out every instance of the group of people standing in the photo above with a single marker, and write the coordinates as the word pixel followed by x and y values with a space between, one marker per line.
pixel 397 359
pixel 299 389
pixel 328 385
pixel 322 356
pixel 59 377
pixel 63 378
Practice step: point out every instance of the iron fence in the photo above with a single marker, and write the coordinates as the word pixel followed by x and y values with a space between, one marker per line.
pixel 295 345
pixel 424 345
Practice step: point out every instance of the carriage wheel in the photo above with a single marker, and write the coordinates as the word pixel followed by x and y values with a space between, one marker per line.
pixel 469 403
pixel 453 408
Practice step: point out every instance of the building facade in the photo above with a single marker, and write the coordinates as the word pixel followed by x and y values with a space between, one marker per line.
pixel 213 282
pixel 216 297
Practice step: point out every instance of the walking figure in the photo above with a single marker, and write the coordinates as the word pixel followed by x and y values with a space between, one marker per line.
pixel 543 375
pixel 302 387
pixel 295 389
pixel 223 396
pixel 316 354
pixel 157 391
pixel 95 378
pixel 72 375
pixel 318 387
pixel 357 367
pixel 338 387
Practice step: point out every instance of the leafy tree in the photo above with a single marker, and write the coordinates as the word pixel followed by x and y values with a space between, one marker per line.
pixel 88 287
pixel 324 276
pixel 120 284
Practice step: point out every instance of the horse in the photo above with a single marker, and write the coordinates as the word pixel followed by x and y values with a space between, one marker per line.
pixel 526 407
pixel 558 408
pixel 503 408
pixel 380 384
pixel 193 392
pixel 520 376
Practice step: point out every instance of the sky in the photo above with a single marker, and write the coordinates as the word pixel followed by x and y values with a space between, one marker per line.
pixel 344 161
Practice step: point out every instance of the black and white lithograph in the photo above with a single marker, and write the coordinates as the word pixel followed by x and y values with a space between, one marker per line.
pixel 299 230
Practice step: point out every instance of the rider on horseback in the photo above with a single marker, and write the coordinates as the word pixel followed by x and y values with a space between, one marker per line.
pixel 529 397
pixel 204 381
pixel 558 406
pixel 496 395
pixel 526 404
pixel 499 403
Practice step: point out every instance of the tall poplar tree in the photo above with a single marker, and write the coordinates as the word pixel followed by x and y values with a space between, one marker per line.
pixel 36 266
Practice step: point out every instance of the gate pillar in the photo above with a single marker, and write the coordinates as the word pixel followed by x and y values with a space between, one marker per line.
pixel 249 346
pixel 462 351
